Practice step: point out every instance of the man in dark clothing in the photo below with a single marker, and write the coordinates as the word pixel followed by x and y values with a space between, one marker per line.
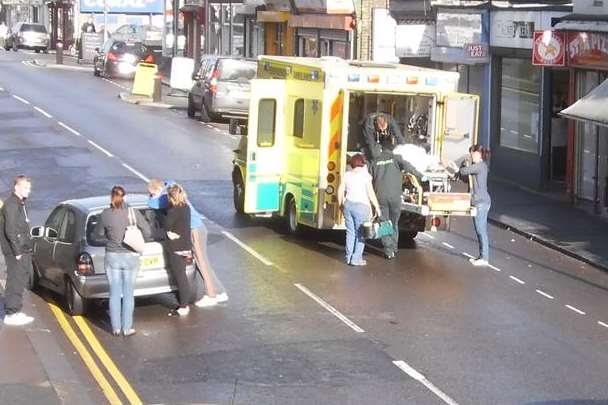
pixel 386 169
pixel 16 244
pixel 379 126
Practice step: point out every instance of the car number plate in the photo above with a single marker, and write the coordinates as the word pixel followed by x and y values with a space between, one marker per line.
pixel 148 262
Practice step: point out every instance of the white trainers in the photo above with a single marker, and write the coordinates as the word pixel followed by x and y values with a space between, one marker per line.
pixel 223 297
pixel 183 311
pixel 206 302
pixel 479 262
pixel 18 319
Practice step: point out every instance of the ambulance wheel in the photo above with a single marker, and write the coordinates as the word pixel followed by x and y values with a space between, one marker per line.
pixel 238 194
pixel 292 217
pixel 191 109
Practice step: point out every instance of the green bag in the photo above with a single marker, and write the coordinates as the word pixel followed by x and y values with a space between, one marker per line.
pixel 377 229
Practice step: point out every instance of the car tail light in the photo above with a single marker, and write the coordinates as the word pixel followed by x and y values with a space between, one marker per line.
pixel 112 56
pixel 213 83
pixel 436 222
pixel 85 265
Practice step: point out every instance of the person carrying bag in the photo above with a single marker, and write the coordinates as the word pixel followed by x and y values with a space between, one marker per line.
pixel 134 238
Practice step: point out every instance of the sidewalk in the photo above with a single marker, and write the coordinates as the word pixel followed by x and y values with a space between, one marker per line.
pixel 551 221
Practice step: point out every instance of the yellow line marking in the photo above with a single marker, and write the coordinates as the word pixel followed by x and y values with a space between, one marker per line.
pixel 107 361
pixel 88 360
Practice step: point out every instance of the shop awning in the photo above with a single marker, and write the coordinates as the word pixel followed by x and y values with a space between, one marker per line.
pixel 591 108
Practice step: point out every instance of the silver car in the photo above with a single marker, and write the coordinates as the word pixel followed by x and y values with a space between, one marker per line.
pixel 68 261
pixel 28 36
pixel 221 88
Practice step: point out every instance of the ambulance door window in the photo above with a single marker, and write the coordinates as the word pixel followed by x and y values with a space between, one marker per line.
pixel 267 109
pixel 307 123
pixel 298 118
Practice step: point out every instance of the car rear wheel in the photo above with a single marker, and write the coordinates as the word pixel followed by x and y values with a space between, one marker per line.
pixel 33 279
pixel 191 109
pixel 76 305
pixel 37 50
pixel 238 194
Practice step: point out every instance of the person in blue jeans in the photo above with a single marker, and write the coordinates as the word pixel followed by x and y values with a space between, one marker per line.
pixel 478 171
pixel 356 198
pixel 121 262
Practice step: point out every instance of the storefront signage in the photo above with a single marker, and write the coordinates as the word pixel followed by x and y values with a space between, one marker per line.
pixel 475 51
pixel 414 40
pixel 122 6
pixel 549 48
pixel 457 29
pixel 588 49
pixel 325 6
pixel 515 29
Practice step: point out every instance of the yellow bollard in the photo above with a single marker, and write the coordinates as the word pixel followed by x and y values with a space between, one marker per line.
pixel 143 85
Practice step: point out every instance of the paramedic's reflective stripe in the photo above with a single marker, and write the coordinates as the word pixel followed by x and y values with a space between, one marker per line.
pixel 384 162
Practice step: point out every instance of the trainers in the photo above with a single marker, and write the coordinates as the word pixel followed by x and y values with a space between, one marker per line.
pixel 389 256
pixel 479 262
pixel 129 332
pixel 223 297
pixel 361 263
pixel 206 301
pixel 183 311
pixel 18 319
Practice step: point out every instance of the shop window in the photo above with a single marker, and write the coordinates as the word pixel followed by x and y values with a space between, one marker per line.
pixel 519 105
pixel 267 109
pixel 307 123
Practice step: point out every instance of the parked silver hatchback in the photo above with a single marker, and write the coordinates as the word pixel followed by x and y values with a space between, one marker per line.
pixel 28 36
pixel 68 261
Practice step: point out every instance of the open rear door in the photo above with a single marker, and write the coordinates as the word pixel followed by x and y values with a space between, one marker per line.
pixel 459 125
pixel 265 146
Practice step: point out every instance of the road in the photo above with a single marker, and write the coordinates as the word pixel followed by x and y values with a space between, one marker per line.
pixel 300 326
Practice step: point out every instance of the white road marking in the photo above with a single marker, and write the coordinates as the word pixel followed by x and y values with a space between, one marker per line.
pixel 514 132
pixel 465 254
pixel 135 172
pixel 427 235
pixel 209 125
pixel 578 311
pixel 24 101
pixel 409 370
pixel 329 308
pixel 447 245
pixel 527 136
pixel 1 88
pixel 605 325
pixel 101 149
pixel 69 129
pixel 517 280
pixel 494 267
pixel 247 248
pixel 41 111
pixel 217 129
pixel 544 294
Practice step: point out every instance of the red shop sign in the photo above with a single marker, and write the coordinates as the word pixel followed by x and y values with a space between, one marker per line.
pixel 588 49
pixel 549 48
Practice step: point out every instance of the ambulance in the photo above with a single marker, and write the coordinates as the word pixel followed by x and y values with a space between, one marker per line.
pixel 304 123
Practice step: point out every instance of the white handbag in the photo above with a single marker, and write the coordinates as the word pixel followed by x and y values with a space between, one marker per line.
pixel 133 236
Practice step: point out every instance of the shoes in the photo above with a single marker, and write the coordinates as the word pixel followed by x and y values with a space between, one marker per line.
pixel 219 298
pixel 18 319
pixel 361 263
pixel 116 333
pixel 389 256
pixel 183 311
pixel 479 262
pixel 129 332
pixel 206 302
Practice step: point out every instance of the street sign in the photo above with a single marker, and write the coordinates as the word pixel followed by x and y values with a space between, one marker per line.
pixel 549 48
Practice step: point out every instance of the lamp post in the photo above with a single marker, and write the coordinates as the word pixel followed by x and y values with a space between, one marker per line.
pixel 105 21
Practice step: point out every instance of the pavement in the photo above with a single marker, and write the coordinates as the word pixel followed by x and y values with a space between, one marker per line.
pixel 551 220
pixel 300 327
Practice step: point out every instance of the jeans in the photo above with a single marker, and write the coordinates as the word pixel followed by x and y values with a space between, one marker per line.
pixel 391 209
pixel 481 229
pixel 355 214
pixel 121 270
pixel 17 274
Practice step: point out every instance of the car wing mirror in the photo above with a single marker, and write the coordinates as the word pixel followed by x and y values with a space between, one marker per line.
pixel 51 233
pixel 37 232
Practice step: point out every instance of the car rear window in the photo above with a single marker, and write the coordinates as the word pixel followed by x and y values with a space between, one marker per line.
pixel 34 28
pixel 153 217
pixel 123 47
pixel 234 69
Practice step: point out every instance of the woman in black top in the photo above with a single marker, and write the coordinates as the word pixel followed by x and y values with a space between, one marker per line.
pixel 179 244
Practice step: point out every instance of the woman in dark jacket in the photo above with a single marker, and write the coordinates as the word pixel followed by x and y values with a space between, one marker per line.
pixel 179 244
pixel 121 262
pixel 478 171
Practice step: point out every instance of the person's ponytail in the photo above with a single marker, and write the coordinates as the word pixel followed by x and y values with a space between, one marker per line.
pixel 483 151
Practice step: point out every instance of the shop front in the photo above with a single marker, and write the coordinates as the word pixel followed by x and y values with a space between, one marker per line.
pixel 523 98
pixel 323 35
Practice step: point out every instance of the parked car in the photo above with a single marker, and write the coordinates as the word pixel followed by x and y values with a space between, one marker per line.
pixel 147 34
pixel 70 262
pixel 221 88
pixel 28 36
pixel 119 59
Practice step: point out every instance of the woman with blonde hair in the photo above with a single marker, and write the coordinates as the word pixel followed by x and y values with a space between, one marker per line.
pixel 215 291
pixel 179 245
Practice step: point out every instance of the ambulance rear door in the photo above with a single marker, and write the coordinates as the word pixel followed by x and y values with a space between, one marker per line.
pixel 265 146
pixel 459 125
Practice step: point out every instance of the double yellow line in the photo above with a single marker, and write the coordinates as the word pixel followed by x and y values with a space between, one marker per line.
pixel 102 355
